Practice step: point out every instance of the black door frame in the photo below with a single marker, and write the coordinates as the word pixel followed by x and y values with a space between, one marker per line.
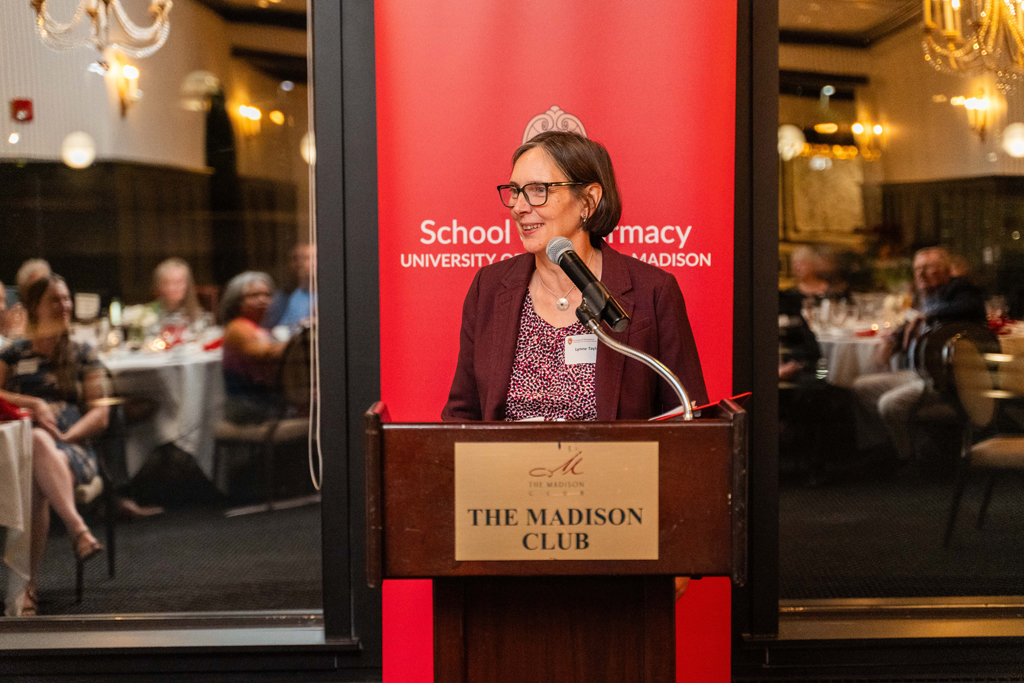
pixel 758 654
pixel 755 607
pixel 346 221
pixel 344 95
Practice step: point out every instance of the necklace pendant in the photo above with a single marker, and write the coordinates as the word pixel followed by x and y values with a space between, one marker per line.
pixel 562 304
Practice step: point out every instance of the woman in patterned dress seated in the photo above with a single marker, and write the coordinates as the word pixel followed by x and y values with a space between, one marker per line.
pixel 518 351
pixel 61 383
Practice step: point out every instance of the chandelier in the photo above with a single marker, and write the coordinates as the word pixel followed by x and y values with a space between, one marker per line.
pixel 141 42
pixel 970 37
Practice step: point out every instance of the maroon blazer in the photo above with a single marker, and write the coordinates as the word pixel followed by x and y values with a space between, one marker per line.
pixel 626 389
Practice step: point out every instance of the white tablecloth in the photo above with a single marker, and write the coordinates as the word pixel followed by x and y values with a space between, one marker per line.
pixel 16 502
pixel 1012 343
pixel 849 357
pixel 188 390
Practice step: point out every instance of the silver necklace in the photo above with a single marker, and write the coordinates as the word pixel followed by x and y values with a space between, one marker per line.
pixel 562 302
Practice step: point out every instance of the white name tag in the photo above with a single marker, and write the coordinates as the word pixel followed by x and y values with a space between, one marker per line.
pixel 27 366
pixel 581 348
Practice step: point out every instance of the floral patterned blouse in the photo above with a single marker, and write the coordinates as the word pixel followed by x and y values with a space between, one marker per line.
pixel 542 385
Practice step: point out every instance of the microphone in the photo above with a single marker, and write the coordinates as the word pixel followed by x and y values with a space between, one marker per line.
pixel 596 297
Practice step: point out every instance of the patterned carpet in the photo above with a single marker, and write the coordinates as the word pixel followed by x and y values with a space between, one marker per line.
pixel 884 539
pixel 194 560
pixel 849 540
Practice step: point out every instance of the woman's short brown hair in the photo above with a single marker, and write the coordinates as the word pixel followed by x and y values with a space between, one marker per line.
pixel 583 161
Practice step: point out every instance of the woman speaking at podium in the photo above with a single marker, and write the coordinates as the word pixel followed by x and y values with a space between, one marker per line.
pixel 522 353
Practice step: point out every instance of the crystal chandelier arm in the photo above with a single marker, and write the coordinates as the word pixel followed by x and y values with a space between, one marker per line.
pixel 46 23
pixel 143 52
pixel 1016 33
pixel 159 11
pixel 988 32
pixel 61 46
pixel 142 42
pixel 100 28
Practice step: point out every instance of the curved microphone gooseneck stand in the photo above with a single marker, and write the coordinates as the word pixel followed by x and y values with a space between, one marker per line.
pixel 593 322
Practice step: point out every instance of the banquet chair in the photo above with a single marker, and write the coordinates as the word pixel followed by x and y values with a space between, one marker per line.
pixel 289 425
pixel 209 297
pixel 938 413
pixel 984 383
pixel 110 447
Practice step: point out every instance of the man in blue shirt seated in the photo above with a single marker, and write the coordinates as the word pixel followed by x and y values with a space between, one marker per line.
pixel 293 309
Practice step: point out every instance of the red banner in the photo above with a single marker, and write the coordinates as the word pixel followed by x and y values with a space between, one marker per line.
pixel 459 85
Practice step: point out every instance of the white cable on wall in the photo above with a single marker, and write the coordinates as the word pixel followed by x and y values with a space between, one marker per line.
pixel 316 475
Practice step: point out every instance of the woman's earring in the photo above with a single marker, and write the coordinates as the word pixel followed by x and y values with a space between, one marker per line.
pixel 583 220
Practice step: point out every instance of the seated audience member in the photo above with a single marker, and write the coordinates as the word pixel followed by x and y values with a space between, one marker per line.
pixel 175 291
pixel 806 266
pixel 60 382
pixel 250 353
pixel 814 423
pixel 941 298
pixel 842 269
pixel 30 271
pixel 960 267
pixel 4 318
pixel 294 308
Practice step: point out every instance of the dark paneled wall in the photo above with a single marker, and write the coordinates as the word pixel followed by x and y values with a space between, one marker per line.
pixel 974 217
pixel 106 227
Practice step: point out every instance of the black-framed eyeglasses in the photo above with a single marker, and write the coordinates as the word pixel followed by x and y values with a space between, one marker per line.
pixel 536 193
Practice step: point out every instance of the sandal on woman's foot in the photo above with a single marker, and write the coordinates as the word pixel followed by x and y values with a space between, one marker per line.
pixel 86 546
pixel 25 603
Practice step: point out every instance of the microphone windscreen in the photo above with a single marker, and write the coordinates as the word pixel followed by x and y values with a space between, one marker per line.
pixel 557 247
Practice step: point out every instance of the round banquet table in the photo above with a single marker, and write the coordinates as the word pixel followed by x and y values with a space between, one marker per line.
pixel 187 388
pixel 16 504
pixel 1012 343
pixel 847 357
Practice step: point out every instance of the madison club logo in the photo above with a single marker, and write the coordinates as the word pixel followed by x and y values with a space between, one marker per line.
pixel 553 119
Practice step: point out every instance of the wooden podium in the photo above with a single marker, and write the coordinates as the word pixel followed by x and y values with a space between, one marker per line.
pixel 556 620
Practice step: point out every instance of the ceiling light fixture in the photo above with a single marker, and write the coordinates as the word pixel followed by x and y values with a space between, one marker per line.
pixel 791 141
pixel 973 36
pixel 103 14
pixel 1013 142
pixel 78 150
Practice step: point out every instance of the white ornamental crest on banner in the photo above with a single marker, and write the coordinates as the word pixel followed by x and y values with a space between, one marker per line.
pixel 553 119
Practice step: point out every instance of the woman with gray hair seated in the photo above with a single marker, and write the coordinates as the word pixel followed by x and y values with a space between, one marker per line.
pixel 250 353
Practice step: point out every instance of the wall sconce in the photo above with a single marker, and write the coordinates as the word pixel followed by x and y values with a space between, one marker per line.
pixel 868 138
pixel 127 84
pixel 977 111
pixel 250 116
